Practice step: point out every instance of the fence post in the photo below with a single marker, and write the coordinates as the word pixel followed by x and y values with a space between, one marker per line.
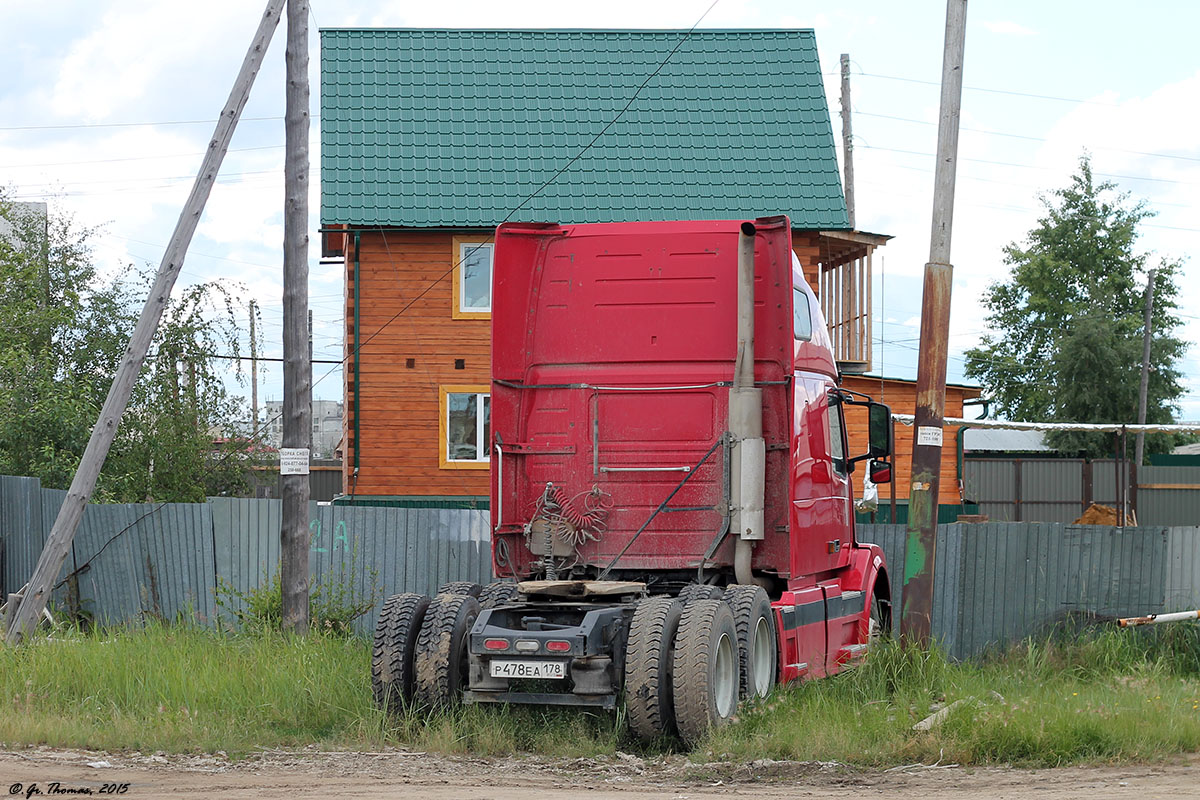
pixel 1087 486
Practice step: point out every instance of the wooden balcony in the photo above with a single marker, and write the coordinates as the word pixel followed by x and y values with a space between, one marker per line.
pixel 844 288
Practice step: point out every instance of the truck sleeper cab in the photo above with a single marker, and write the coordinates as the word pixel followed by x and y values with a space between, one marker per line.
pixel 671 500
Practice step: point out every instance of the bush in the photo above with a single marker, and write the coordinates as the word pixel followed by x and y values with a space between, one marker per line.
pixel 332 605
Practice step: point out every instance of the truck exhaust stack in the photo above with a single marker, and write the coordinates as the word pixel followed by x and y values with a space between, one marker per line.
pixel 745 419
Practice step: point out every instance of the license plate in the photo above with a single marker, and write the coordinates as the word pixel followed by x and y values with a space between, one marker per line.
pixel 528 669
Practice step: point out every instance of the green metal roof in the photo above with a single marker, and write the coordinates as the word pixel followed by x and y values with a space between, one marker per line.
pixel 457 128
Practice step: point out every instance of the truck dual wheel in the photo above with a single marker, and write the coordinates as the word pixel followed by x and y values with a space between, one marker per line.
pixel 392 677
pixel 496 594
pixel 460 587
pixel 699 591
pixel 705 669
pixel 758 652
pixel 440 661
pixel 649 652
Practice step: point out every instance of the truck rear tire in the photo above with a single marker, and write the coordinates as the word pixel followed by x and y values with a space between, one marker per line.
pixel 758 651
pixel 460 587
pixel 396 632
pixel 699 591
pixel 648 665
pixel 495 594
pixel 440 661
pixel 706 669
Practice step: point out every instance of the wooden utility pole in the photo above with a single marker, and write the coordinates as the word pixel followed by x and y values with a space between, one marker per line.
pixel 253 368
pixel 1139 446
pixel 297 365
pixel 847 142
pixel 920 553
pixel 58 544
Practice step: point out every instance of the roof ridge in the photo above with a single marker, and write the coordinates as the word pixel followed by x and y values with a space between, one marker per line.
pixel 680 31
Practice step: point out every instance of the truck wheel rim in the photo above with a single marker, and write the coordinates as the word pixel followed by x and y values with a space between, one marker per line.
pixel 763 656
pixel 725 678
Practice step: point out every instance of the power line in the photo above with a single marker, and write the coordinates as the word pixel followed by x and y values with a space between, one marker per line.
pixel 79 125
pixel 1022 136
pixel 1026 166
pixel 532 195
pixel 261 429
pixel 994 91
pixel 135 158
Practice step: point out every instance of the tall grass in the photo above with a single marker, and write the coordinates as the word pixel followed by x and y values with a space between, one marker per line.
pixel 1103 697
pixel 187 689
pixel 1112 696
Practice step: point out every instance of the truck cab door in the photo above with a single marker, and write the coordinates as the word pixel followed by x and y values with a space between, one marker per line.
pixel 821 522
pixel 842 537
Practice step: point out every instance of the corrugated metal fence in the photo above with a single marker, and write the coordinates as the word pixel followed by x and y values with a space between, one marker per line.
pixel 167 560
pixel 1000 582
pixel 995 582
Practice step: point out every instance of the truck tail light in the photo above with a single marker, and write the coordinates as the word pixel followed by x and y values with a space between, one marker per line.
pixel 495 644
pixel 558 646
pixel 527 645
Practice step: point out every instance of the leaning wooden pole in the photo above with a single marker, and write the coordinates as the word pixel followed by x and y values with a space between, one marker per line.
pixel 58 544
pixel 297 359
pixel 921 550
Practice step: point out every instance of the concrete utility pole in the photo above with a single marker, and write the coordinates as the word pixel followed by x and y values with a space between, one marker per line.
pixel 1139 446
pixel 297 365
pixel 58 544
pixel 847 142
pixel 920 553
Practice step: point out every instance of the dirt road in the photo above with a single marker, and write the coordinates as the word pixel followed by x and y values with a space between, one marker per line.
pixel 399 774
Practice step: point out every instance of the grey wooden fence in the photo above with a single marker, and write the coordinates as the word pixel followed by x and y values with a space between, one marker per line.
pixel 994 583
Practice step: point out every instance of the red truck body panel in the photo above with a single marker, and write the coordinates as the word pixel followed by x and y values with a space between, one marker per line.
pixel 613 349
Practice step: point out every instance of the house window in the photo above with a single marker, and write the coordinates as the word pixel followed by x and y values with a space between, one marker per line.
pixel 465 427
pixel 472 277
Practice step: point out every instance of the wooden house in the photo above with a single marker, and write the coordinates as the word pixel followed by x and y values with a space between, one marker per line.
pixel 430 138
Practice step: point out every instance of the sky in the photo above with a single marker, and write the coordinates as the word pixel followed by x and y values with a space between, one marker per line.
pixel 109 104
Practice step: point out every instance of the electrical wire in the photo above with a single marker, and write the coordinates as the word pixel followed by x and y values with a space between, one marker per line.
pixel 261 429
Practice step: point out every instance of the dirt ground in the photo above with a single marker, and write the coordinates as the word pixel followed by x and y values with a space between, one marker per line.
pixel 401 774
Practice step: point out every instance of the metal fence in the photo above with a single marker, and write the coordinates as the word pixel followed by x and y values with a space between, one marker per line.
pixel 994 582
pixel 1000 582
pixel 171 560
pixel 1060 489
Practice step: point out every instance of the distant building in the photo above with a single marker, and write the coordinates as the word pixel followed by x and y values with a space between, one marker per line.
pixel 326 426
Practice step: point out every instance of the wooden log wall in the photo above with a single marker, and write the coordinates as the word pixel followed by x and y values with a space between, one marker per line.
pixel 404 360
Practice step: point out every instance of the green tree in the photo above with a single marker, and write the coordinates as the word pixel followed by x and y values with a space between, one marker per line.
pixel 65 334
pixel 1066 325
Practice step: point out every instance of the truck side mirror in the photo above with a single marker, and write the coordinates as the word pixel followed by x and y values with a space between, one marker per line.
pixel 879 431
pixel 880 471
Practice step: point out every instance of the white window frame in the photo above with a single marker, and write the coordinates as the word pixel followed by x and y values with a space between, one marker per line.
pixel 483 447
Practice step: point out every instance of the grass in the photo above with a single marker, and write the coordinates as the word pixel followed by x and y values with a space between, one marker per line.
pixel 186 689
pixel 1115 696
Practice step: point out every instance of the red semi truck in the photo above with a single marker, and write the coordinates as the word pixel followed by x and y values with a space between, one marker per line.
pixel 671 506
